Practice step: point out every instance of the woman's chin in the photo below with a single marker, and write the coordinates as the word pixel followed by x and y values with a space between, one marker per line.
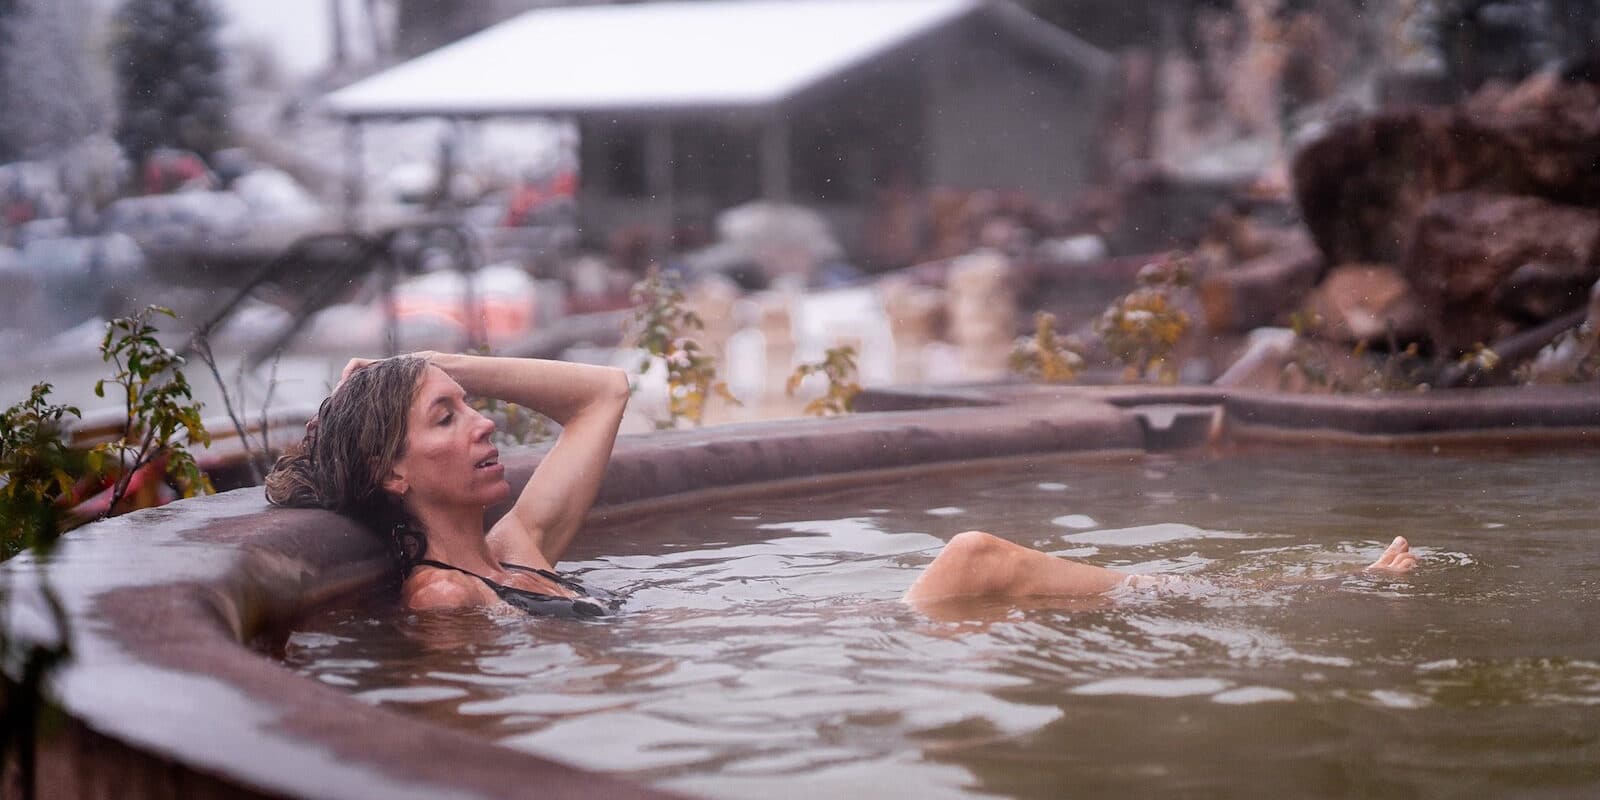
pixel 495 494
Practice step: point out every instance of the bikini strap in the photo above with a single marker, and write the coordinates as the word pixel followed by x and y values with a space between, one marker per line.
pixel 535 570
pixel 558 578
pixel 428 562
pixel 534 602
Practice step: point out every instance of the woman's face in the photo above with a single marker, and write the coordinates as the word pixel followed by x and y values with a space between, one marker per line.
pixel 449 460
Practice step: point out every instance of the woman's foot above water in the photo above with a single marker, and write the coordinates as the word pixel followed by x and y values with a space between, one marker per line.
pixel 1398 558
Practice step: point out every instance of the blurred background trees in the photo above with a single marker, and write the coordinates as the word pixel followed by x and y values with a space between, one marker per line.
pixel 1481 40
pixel 45 67
pixel 171 87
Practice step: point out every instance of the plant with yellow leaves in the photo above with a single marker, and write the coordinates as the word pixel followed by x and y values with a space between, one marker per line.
pixel 161 417
pixel 838 365
pixel 1141 328
pixel 513 424
pixel 1046 356
pixel 1479 358
pixel 661 324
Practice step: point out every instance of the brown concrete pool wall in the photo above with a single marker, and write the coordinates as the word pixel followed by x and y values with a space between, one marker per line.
pixel 175 611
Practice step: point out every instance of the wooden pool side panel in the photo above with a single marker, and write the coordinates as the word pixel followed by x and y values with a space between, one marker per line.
pixel 171 695
pixel 1487 414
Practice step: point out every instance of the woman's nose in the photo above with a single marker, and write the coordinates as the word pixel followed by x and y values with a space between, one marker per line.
pixel 483 427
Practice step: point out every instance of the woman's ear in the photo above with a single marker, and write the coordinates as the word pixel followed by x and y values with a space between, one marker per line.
pixel 395 482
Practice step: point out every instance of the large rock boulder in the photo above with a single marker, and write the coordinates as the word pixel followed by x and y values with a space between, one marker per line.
pixel 1262 290
pixel 1365 302
pixel 1542 290
pixel 1553 129
pixel 1473 257
pixel 1361 185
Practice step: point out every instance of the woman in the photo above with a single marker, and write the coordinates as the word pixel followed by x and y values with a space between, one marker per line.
pixel 396 446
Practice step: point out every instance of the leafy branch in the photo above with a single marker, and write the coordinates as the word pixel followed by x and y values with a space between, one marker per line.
pixel 1046 356
pixel 158 405
pixel 838 365
pixel 661 327
pixel 1141 328
pixel 42 474
pixel 513 424
pixel 38 466
pixel 1397 369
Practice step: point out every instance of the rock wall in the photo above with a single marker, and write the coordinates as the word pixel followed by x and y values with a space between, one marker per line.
pixel 1455 226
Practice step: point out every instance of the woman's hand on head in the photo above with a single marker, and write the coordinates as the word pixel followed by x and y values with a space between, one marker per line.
pixel 354 364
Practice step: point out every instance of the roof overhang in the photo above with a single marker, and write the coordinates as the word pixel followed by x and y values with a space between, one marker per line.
pixel 674 57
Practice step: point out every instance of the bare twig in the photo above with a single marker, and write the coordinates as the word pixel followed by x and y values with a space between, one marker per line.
pixel 266 403
pixel 202 348
pixel 124 474
pixel 140 459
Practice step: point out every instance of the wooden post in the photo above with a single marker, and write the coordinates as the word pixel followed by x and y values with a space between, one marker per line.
pixel 775 158
pixel 659 177
pixel 382 44
pixel 341 57
pixel 354 176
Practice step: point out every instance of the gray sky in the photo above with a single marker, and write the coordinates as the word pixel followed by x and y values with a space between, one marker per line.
pixel 296 30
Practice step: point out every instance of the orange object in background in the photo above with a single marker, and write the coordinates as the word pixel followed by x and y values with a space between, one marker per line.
pixel 501 318
pixel 530 196
pixel 146 489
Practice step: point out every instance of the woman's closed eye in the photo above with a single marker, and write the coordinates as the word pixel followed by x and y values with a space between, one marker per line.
pixel 446 419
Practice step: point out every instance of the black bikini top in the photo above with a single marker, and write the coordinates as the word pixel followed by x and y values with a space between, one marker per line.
pixel 587 604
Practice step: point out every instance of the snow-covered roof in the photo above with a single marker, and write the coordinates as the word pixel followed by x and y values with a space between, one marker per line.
pixel 655 56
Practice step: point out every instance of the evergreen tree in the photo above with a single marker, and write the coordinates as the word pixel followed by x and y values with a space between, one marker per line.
pixel 1480 40
pixel 171 87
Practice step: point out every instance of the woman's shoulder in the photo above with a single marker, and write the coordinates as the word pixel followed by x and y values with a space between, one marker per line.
pixel 437 588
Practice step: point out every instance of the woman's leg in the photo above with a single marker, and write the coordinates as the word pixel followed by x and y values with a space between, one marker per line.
pixel 978 564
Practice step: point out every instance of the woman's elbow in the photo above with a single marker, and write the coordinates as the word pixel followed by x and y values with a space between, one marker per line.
pixel 607 393
pixel 617 386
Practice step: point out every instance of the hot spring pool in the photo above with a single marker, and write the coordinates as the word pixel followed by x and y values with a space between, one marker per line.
pixel 763 651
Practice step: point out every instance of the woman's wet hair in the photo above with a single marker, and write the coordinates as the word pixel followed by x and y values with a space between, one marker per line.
pixel 356 438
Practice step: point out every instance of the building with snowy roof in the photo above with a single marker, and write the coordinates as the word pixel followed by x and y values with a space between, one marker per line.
pixel 688 108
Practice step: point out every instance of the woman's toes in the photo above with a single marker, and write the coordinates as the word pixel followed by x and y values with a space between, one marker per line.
pixel 1397 557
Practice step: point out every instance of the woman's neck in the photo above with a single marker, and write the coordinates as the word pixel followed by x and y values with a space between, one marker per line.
pixel 455 537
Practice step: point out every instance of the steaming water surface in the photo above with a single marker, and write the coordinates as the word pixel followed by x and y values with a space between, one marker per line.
pixel 763 651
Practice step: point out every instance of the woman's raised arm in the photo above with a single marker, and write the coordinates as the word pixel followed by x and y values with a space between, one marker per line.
pixel 587 401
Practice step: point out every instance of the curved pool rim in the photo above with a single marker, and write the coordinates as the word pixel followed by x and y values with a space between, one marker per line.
pixel 175 611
